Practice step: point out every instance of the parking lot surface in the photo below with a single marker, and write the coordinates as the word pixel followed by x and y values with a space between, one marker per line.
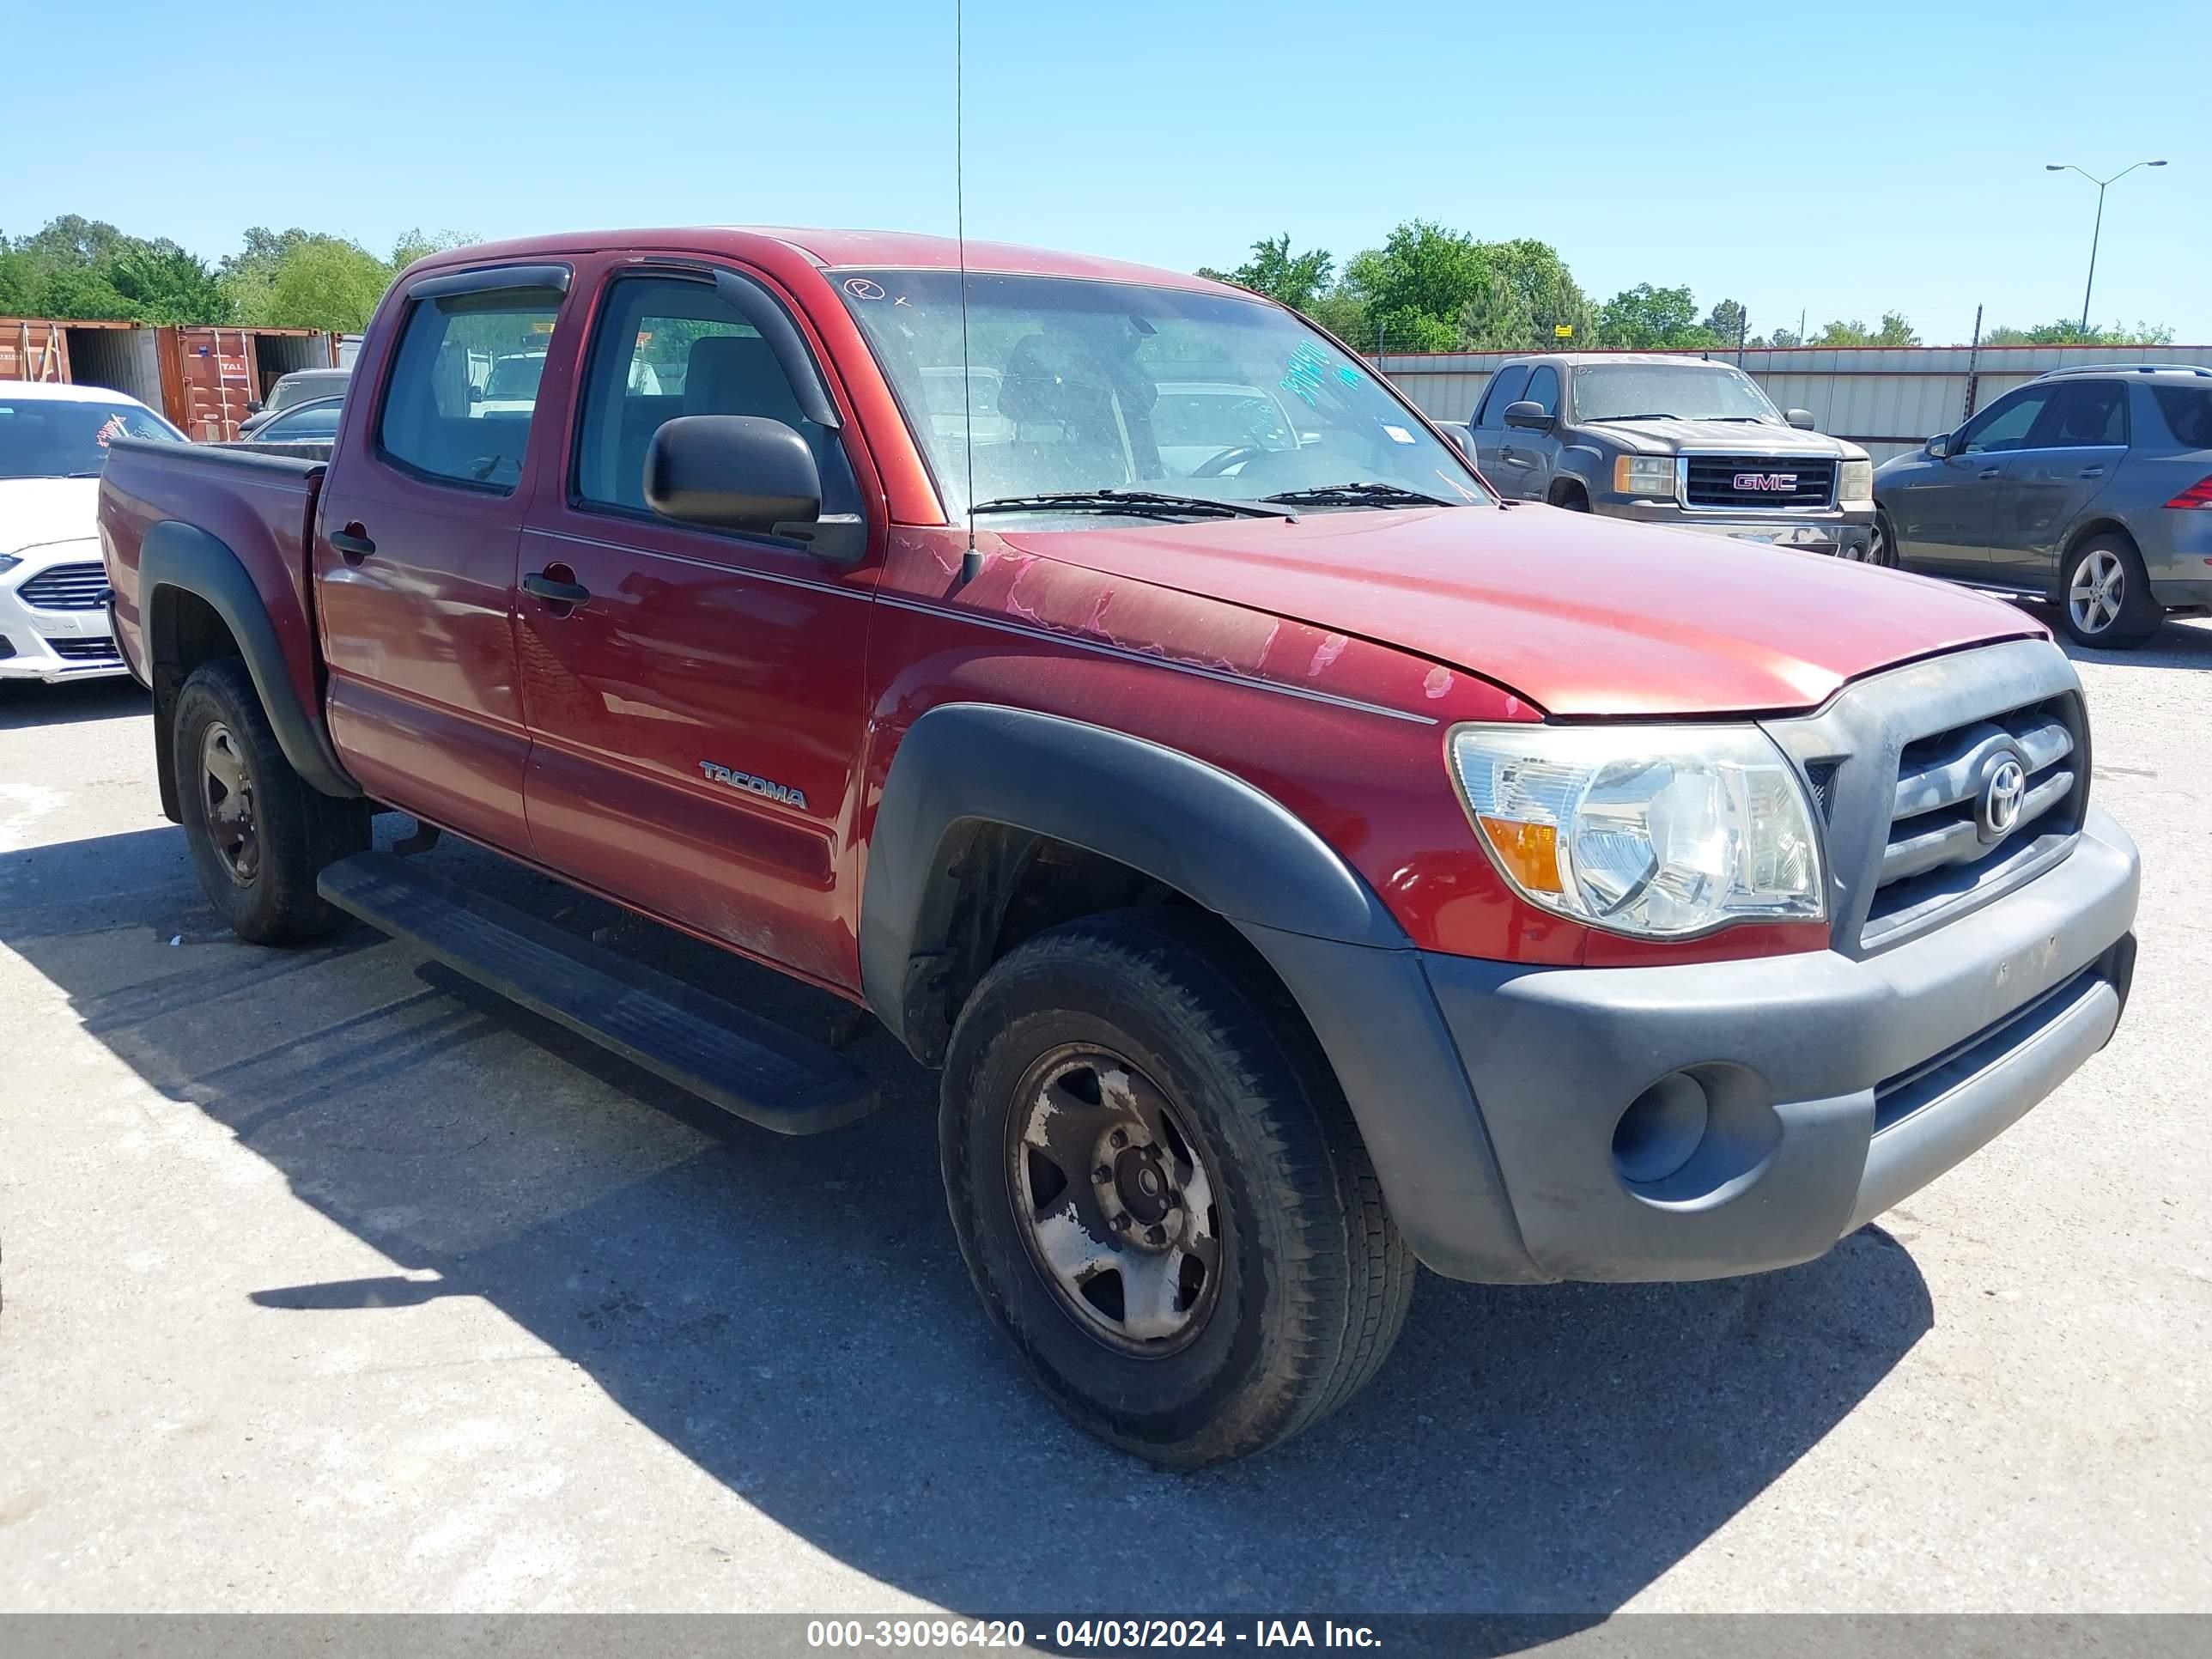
pixel 334 1283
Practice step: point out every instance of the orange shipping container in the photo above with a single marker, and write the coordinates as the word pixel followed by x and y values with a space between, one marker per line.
pixel 33 351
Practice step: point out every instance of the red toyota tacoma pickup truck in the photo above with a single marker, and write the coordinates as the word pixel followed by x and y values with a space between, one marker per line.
pixel 1300 864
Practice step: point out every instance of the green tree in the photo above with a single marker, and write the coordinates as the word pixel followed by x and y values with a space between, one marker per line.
pixel 1427 272
pixel 71 239
pixel 414 246
pixel 325 282
pixel 1726 322
pixel 2066 332
pixel 165 285
pixel 1298 280
pixel 1648 319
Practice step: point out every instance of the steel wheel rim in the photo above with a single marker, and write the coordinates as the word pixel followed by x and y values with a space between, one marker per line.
pixel 1114 1201
pixel 2096 591
pixel 227 793
pixel 1877 546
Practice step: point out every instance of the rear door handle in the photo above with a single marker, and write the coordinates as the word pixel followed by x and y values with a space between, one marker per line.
pixel 352 544
pixel 2091 472
pixel 542 585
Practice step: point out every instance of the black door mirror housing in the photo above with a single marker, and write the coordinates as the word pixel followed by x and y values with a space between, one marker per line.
pixel 1938 446
pixel 1800 418
pixel 734 472
pixel 1530 417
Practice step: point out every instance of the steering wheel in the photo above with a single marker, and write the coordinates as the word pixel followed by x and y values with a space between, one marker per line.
pixel 1236 455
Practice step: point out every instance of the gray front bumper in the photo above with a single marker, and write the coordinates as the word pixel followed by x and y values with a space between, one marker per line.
pixel 1845 531
pixel 1839 1086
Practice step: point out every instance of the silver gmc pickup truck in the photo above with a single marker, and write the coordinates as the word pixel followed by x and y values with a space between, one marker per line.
pixel 1675 441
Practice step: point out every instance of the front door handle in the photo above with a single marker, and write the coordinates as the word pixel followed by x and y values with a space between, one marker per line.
pixel 352 544
pixel 1990 473
pixel 554 589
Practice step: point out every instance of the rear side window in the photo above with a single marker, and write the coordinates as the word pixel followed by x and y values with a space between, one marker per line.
pixel 667 347
pixel 1505 388
pixel 2084 412
pixel 439 417
pixel 1543 389
pixel 2188 412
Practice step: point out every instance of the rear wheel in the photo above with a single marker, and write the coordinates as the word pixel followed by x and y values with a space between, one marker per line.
pixel 2104 598
pixel 259 833
pixel 1882 544
pixel 1160 1194
pixel 1570 496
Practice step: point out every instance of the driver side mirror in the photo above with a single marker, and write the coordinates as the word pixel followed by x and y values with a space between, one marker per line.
pixel 253 405
pixel 1800 418
pixel 747 473
pixel 1529 416
pixel 1938 446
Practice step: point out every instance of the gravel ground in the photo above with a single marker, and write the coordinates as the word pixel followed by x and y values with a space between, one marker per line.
pixel 332 1282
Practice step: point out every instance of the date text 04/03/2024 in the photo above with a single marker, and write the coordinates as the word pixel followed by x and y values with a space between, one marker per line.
pixel 1080 1636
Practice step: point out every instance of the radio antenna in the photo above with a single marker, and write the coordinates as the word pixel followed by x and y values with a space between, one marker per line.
pixel 972 561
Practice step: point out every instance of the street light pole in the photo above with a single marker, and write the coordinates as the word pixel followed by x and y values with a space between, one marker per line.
pixel 2068 167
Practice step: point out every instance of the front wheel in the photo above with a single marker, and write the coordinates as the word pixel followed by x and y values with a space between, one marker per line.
pixel 1882 544
pixel 1159 1191
pixel 260 833
pixel 2104 598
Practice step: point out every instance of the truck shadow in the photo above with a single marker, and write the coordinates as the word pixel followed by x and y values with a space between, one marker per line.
pixel 792 1317
pixel 2179 644
pixel 29 702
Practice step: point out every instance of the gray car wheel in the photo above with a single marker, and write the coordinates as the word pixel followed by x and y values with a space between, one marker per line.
pixel 2105 601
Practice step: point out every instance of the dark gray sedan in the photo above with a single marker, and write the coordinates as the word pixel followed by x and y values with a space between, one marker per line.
pixel 2090 488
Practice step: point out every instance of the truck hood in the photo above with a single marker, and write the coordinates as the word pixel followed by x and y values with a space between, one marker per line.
pixel 1735 437
pixel 1580 615
pixel 36 511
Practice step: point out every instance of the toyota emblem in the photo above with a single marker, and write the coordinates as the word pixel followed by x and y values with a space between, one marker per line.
pixel 2002 794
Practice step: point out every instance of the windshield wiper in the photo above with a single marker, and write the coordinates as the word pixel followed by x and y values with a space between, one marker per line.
pixel 1600 420
pixel 1752 420
pixel 1357 494
pixel 1138 503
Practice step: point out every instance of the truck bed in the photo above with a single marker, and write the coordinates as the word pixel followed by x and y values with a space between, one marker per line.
pixel 260 507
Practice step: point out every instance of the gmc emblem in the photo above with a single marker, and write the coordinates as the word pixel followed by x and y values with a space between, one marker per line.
pixel 1782 481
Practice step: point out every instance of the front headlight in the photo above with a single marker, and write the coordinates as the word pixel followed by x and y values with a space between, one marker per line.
pixel 8 562
pixel 1854 481
pixel 1645 475
pixel 1661 831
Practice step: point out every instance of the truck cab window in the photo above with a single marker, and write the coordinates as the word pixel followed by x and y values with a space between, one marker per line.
pixel 1504 387
pixel 666 347
pixel 1543 389
pixel 464 384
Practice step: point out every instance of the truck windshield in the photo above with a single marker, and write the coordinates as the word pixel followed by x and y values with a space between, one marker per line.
pixel 1682 391
pixel 68 437
pixel 1080 386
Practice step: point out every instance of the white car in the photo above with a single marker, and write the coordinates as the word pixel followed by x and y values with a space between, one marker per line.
pixel 53 584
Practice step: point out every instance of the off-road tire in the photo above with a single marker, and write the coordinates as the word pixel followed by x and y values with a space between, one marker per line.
pixel 1314 1280
pixel 2140 614
pixel 301 830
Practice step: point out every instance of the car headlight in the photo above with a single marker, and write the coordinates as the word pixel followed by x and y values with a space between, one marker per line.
pixel 8 562
pixel 1659 831
pixel 1645 475
pixel 1854 481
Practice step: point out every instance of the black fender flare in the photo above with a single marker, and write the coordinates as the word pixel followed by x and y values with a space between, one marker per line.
pixel 1244 855
pixel 188 560
pixel 1188 824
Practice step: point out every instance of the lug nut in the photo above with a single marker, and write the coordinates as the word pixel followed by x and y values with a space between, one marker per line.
pixel 1155 1235
pixel 1102 1174
pixel 1119 1138
pixel 1122 1222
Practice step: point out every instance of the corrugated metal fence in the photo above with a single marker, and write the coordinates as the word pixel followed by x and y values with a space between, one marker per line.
pixel 1889 399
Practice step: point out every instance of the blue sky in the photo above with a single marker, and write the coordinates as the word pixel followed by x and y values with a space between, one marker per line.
pixel 1841 159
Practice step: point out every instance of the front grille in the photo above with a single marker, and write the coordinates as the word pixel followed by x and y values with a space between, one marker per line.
pixel 86 650
pixel 1943 845
pixel 67 587
pixel 1742 481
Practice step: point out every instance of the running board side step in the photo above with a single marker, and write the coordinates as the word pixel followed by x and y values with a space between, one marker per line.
pixel 739 1061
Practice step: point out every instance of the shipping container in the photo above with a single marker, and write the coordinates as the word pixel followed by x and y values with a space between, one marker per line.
pixel 33 351
pixel 205 379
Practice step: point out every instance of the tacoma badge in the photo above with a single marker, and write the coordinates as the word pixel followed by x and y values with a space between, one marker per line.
pixel 751 785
